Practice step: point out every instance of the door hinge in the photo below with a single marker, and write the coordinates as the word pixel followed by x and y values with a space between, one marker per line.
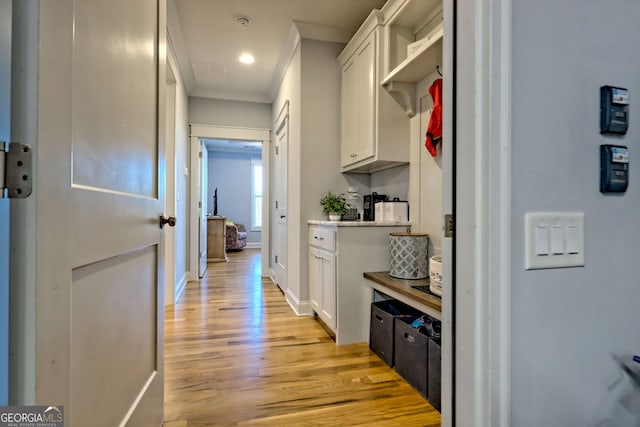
pixel 449 226
pixel 200 154
pixel 277 150
pixel 276 257
pixel 276 204
pixel 16 173
pixel 199 204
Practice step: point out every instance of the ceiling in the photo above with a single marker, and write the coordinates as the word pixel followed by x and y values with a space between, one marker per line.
pixel 207 40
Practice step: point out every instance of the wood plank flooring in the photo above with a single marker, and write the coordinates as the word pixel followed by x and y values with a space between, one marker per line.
pixel 236 355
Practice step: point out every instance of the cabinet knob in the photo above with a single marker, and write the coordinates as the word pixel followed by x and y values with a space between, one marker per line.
pixel 318 238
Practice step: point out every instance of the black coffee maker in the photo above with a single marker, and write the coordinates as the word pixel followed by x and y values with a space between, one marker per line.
pixel 369 209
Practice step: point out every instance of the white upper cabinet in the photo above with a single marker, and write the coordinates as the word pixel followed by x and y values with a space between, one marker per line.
pixel 358 103
pixel 374 129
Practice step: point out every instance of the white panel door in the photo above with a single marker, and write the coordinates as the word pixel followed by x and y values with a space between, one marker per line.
pixel 99 189
pixel 280 234
pixel 5 121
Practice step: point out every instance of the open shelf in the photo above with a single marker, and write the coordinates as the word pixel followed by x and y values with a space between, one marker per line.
pixel 418 66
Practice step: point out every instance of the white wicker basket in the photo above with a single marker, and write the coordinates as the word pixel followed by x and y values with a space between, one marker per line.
pixel 435 274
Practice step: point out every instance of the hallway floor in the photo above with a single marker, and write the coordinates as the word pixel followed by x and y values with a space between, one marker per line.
pixel 235 354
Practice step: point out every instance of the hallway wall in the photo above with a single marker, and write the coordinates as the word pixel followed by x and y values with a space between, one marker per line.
pixel 568 323
pixel 182 183
pixel 221 112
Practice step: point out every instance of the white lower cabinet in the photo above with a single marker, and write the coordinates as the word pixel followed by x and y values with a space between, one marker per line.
pixel 322 282
pixel 339 254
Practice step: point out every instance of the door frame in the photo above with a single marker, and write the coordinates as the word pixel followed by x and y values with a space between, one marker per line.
pixel 198 132
pixel 5 135
pixel 482 125
pixel 170 182
pixel 281 122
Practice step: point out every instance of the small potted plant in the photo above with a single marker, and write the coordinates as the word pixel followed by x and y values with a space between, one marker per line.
pixel 335 205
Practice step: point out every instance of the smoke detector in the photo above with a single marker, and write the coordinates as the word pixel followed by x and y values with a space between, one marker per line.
pixel 243 21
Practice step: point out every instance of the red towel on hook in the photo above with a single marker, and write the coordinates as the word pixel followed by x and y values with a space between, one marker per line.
pixel 434 128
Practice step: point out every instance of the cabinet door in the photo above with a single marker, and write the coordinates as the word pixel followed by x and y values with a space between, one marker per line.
pixel 315 280
pixel 349 125
pixel 329 290
pixel 366 90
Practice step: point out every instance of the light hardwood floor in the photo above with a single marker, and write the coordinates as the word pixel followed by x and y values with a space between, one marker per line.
pixel 237 355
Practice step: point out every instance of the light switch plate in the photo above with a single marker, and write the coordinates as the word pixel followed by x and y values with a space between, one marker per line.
pixel 554 240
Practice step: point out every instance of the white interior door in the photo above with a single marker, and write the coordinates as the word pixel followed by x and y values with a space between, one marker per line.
pixel 280 217
pixel 5 117
pixel 97 122
pixel 204 181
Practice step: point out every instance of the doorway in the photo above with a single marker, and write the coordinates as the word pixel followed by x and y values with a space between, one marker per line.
pixel 200 133
pixel 235 189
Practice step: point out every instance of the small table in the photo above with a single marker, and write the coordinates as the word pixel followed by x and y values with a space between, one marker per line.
pixel 216 239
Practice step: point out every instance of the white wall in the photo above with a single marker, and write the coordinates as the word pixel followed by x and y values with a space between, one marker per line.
pixel 230 173
pixel 220 112
pixel 320 140
pixel 567 323
pixel 182 182
pixel 392 182
pixel 311 84
pixel 289 91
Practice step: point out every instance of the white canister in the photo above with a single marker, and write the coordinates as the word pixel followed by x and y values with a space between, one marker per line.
pixel 379 211
pixel 409 256
pixel 435 275
pixel 396 210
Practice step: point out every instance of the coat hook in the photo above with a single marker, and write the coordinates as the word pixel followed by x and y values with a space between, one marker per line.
pixel 438 70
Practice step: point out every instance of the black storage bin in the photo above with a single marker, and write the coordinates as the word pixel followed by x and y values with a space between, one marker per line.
pixel 411 355
pixel 435 374
pixel 382 326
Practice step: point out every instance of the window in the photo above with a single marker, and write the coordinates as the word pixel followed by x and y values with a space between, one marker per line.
pixel 256 195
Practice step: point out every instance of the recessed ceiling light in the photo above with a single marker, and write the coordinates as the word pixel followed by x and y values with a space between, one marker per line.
pixel 246 58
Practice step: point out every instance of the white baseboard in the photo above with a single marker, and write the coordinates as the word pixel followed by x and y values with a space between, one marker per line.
pixel 300 308
pixel 254 245
pixel 180 288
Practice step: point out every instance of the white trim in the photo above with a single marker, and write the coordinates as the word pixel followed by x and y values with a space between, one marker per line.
pixel 228 132
pixel 255 245
pixel 293 39
pixel 194 251
pixel 199 131
pixel 255 162
pixel 182 284
pixel 483 223
pixel 136 403
pixel 179 47
pixel 446 244
pixel 300 308
pixel 501 223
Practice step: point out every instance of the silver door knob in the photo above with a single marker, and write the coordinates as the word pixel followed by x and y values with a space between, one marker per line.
pixel 169 220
